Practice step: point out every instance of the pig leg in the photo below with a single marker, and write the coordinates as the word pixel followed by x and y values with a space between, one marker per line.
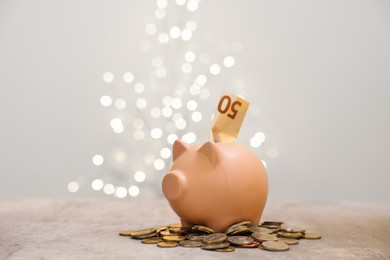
pixel 186 223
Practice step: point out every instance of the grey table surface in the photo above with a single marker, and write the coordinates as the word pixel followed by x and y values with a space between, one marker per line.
pixel 88 229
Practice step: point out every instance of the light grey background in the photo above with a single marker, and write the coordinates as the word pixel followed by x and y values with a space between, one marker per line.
pixel 319 70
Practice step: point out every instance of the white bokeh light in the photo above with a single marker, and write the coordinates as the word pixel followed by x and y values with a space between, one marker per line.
pixel 97 159
pixel 189 138
pixel 108 189
pixel 186 67
pixel 181 2
pixel 201 79
pixel 108 77
pixel 192 5
pixel 174 32
pixel 180 123
pixel 194 90
pixel 163 38
pixel 141 103
pixel 159 164
pixel 150 29
pixel 97 184
pixel 165 153
pixel 133 191
pixel 162 4
pixel 166 112
pixel 120 192
pixel 228 62
pixel 215 69
pixel 186 35
pixel 161 72
pixel 120 104
pixel 190 56
pixel 191 25
pixel 196 116
pixel 156 133
pixel 128 77
pixel 139 88
pixel 192 105
pixel 159 14
pixel 257 140
pixel 106 101
pixel 139 176
pixel 155 112
pixel 73 186
pixel 176 103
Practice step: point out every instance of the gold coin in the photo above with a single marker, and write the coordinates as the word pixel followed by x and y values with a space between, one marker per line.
pixel 274 246
pixel 226 249
pixel 270 226
pixel 195 237
pixel 126 233
pixel 173 238
pixel 293 230
pixel 176 225
pixel 288 241
pixel 167 233
pixel 151 240
pixel 190 243
pixel 242 223
pixel 262 237
pixel 203 229
pixel 311 236
pixel 159 229
pixel 215 246
pixel 145 233
pixel 272 222
pixel 290 234
pixel 240 240
pixel 261 230
pixel 214 238
pixel 167 244
pixel 251 245
pixel 238 230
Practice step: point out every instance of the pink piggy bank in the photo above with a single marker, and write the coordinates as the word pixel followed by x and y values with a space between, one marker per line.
pixel 215 185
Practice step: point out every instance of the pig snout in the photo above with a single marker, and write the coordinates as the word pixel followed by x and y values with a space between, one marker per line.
pixel 174 185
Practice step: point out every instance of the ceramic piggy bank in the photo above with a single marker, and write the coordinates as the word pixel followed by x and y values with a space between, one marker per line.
pixel 215 185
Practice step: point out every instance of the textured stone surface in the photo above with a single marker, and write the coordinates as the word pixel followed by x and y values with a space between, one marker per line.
pixel 88 229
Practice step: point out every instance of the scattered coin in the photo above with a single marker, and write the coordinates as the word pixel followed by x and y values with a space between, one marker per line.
pixel 126 233
pixel 251 245
pixel 173 238
pixel 262 237
pixel 240 240
pixel 293 230
pixel 288 241
pixel 151 240
pixel 274 246
pixel 190 243
pixel 203 229
pixel 214 238
pixel 167 244
pixel 311 236
pixel 215 246
pixel 270 235
pixel 226 249
pixel 261 230
pixel 290 234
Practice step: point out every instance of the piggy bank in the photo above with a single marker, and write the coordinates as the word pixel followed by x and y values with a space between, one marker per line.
pixel 215 185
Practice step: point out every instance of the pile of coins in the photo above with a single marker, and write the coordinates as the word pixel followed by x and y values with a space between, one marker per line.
pixel 270 235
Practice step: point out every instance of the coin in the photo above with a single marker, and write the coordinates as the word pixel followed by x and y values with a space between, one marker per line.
pixel 176 225
pixel 261 230
pixel 270 226
pixel 226 249
pixel 203 229
pixel 242 223
pixel 238 230
pixel 126 233
pixel 251 245
pixel 190 243
pixel 214 238
pixel 151 240
pixel 195 237
pixel 293 230
pixel 167 233
pixel 240 240
pixel 274 246
pixel 290 234
pixel 159 229
pixel 167 244
pixel 272 222
pixel 311 236
pixel 173 238
pixel 261 237
pixel 145 233
pixel 215 246
pixel 288 241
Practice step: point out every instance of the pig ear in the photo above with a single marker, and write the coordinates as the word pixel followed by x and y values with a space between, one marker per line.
pixel 179 147
pixel 210 151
